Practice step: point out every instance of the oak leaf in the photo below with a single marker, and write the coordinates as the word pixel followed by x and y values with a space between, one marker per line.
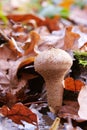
pixel 73 85
pixel 19 113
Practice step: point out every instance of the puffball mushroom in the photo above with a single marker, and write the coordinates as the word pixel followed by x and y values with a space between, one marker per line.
pixel 52 65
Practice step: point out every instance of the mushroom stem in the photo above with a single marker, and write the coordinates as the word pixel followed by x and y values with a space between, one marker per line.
pixel 54 94
pixel 53 66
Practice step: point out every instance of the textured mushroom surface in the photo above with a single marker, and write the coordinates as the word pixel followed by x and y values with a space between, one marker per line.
pixel 53 65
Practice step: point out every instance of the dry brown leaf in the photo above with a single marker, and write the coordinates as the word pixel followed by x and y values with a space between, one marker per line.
pixel 12 57
pixel 19 32
pixel 71 39
pixel 19 113
pixel 29 47
pixel 13 46
pixel 82 100
pixel 70 109
pixel 84 47
pixel 26 62
pixel 73 85
pixel 48 41
pixel 52 23
pixel 25 18
pixel 30 19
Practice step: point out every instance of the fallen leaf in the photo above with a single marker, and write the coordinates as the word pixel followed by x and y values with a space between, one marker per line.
pixel 25 18
pixel 73 85
pixel 29 48
pixel 26 61
pixel 19 113
pixel 82 100
pixel 84 48
pixel 70 39
pixel 13 58
pixel 66 3
pixel 52 23
pixel 70 110
pixel 19 32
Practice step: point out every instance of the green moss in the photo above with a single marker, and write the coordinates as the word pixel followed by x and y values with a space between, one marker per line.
pixel 81 57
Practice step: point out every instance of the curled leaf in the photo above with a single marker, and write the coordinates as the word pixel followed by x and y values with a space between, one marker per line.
pixel 19 113
pixel 13 46
pixel 25 18
pixel 29 47
pixel 71 39
pixel 73 85
pixel 26 69
pixel 25 62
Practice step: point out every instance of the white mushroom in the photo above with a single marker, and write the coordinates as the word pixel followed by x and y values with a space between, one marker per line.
pixel 52 65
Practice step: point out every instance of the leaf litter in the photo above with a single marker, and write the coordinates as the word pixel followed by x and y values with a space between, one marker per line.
pixel 24 38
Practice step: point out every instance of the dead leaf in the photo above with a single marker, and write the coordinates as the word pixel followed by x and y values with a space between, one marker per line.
pixel 24 67
pixel 11 44
pixel 19 32
pixel 25 18
pixel 70 110
pixel 13 57
pixel 73 85
pixel 19 113
pixel 66 3
pixel 82 100
pixel 26 61
pixel 84 47
pixel 52 40
pixel 71 39
pixel 52 23
pixel 29 47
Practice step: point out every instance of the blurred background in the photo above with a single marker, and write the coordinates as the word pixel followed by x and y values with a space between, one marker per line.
pixel 40 7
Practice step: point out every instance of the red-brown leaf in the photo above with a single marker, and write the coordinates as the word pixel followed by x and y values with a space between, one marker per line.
pixel 70 39
pixel 19 113
pixel 73 85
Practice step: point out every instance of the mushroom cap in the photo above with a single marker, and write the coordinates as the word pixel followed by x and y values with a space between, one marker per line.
pixel 53 60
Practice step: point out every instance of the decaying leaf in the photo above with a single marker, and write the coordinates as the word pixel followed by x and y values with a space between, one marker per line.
pixel 70 109
pixel 19 113
pixel 26 36
pixel 71 39
pixel 13 57
pixel 52 24
pixel 66 3
pixel 73 85
pixel 29 47
pixel 82 99
pixel 25 18
pixel 84 47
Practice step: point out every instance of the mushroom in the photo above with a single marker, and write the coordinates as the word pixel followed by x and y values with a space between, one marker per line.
pixel 53 65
